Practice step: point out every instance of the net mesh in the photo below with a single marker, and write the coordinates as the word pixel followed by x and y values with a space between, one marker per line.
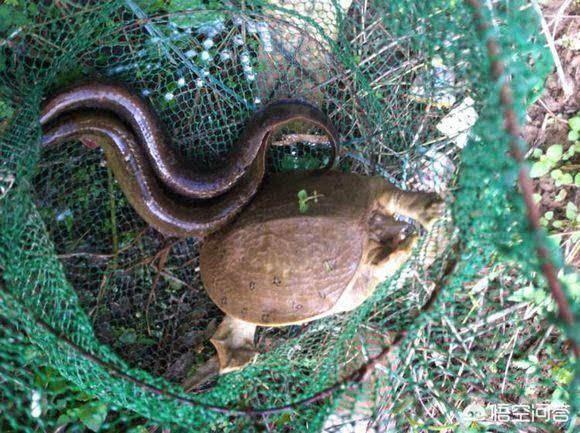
pixel 103 318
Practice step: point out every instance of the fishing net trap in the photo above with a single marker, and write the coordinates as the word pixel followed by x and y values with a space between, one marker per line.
pixel 104 321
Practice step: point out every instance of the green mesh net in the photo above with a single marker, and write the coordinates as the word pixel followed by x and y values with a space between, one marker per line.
pixel 103 319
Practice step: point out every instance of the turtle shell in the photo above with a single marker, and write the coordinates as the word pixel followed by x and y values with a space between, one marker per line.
pixel 277 264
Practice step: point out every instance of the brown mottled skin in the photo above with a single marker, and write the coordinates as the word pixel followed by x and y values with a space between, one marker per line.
pixel 273 265
pixel 300 263
pixel 277 266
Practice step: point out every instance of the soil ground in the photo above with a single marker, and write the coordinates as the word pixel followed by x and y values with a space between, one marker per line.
pixel 547 118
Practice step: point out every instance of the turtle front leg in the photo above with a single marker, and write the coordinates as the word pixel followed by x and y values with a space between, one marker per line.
pixel 421 206
pixel 234 342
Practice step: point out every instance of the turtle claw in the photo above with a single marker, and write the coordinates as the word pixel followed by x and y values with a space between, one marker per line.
pixel 424 207
pixel 433 210
pixel 230 360
pixel 234 343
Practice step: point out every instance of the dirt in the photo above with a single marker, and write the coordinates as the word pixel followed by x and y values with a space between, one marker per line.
pixel 547 118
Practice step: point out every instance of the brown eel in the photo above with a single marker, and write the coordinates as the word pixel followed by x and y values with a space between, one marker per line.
pixel 145 167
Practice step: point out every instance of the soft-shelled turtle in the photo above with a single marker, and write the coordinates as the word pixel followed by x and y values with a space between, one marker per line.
pixel 275 263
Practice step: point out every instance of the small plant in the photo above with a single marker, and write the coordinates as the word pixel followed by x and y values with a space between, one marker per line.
pixel 92 414
pixel 304 198
pixel 56 398
pixel 574 123
pixel 548 163
pixel 558 165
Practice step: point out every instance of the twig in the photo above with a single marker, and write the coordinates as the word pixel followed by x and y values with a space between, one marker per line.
pixel 421 127
pixel 493 318
pixel 103 256
pixel 290 139
pixel 95 256
pixel 543 340
pixel 560 14
pixel 173 278
pixel 566 86
pixel 361 159
pixel 464 363
pixel 509 361
pixel 545 107
pixel 113 212
pixel 162 255
pixel 526 185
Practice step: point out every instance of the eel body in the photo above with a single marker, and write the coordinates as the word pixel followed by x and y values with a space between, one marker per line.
pixel 168 195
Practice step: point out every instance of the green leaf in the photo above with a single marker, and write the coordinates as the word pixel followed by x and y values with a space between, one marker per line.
pixel 145 341
pixel 561 195
pixel 571 211
pixel 537 198
pixel 151 5
pixel 93 415
pixel 64 418
pixel 523 294
pixel 302 195
pixel 537 153
pixel 531 370
pixel 33 9
pixel 284 419
pixel 128 337
pixel 521 364
pixel 540 168
pixel 565 179
pixel 573 135
pixel 549 215
pixel 58 385
pixel 555 152
pixel 577 179
pixel 304 162
pixel 6 111
pixel 574 123
pixel 303 207
pixel 30 353
pixel 556 174
pixel 11 18
pixel 563 376
pixel 558 224
pixel 572 282
pixel 539 296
